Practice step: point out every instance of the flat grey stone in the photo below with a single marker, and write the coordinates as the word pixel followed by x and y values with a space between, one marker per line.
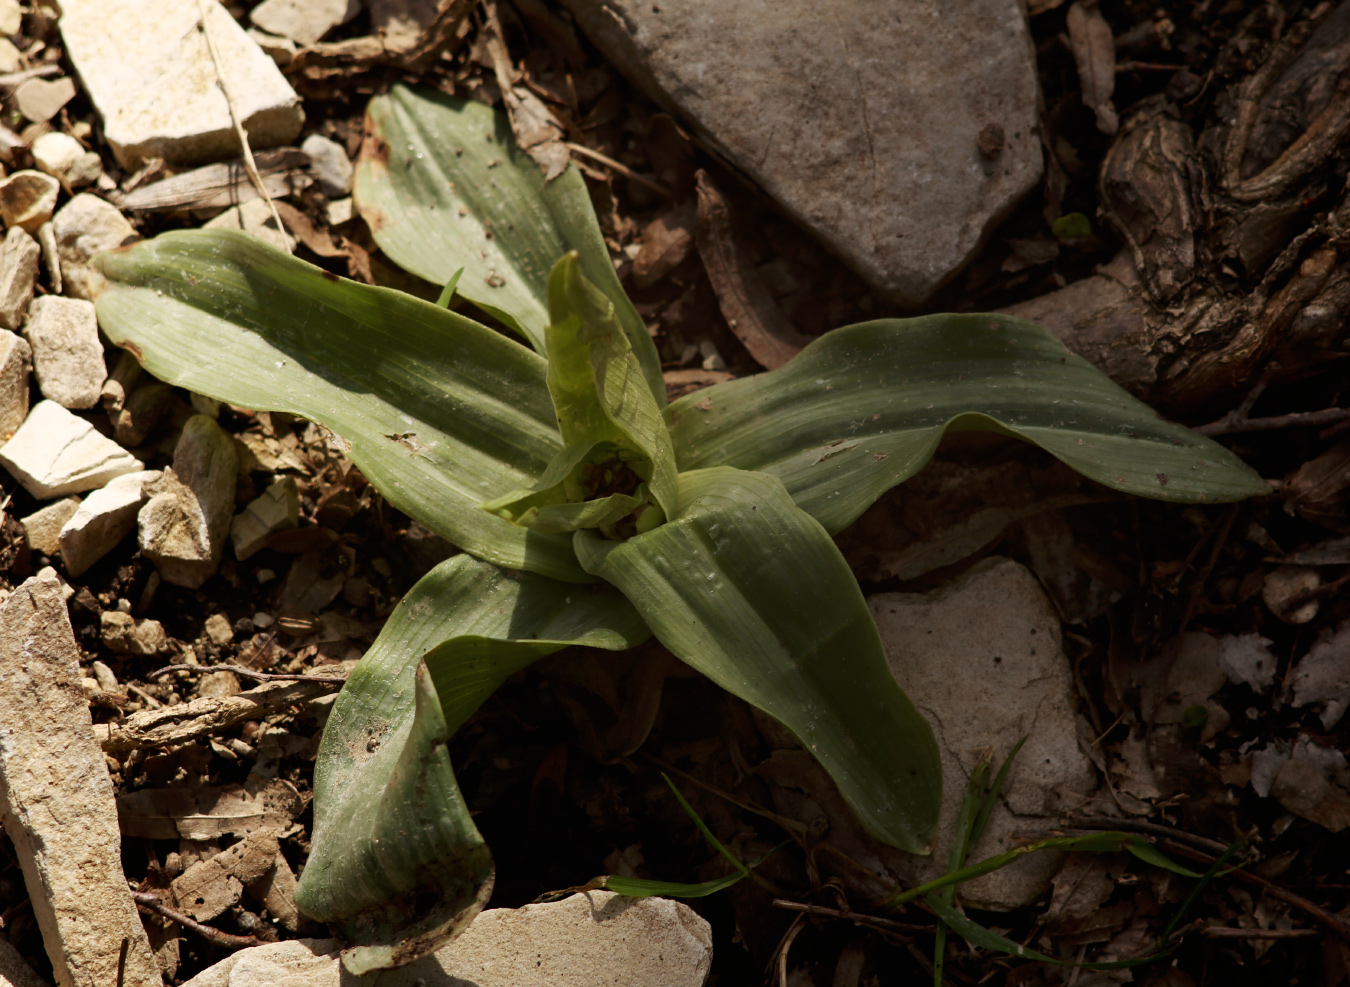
pixel 981 657
pixel 106 517
pixel 864 119
pixel 28 199
pixel 41 99
pixel 331 167
pixel 16 359
pixel 56 452
pixel 84 226
pixel 57 799
pixel 581 941
pixel 184 524
pixel 67 354
pixel 149 73
pixel 43 526
pixel 18 276
pixel 303 21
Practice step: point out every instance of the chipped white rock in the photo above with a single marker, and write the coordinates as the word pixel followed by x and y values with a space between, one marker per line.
pixel 67 354
pixel 581 941
pixel 11 17
pixel 981 658
pixel 901 136
pixel 84 226
pixel 331 167
pixel 58 803
pixel 218 629
pixel 43 526
pixel 18 276
pixel 126 635
pixel 64 158
pixel 1322 676
pixel 10 57
pixel 106 517
pixel 255 217
pixel 16 359
pixel 303 21
pixel 28 199
pixel 55 452
pixel 150 75
pixel 277 509
pixel 340 211
pixel 184 524
pixel 41 99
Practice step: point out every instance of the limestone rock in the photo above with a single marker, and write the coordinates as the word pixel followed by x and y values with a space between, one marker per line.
pixel 18 276
pixel 67 354
pixel 16 358
pixel 41 99
pixel 255 217
pixel 55 452
pixel 330 164
pixel 900 136
pixel 277 509
pixel 28 199
pixel 58 803
pixel 303 21
pixel 184 524
pixel 43 526
pixel 218 629
pixel 84 226
pixel 581 941
pixel 106 517
pixel 11 17
pixel 982 659
pixel 126 635
pixel 149 73
pixel 65 159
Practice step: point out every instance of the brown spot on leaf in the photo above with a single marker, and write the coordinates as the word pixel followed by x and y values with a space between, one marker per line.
pixel 131 348
pixel 330 276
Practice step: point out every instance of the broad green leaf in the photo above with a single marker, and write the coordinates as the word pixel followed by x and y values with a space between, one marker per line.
pixel 397 865
pixel 751 591
pixel 441 412
pixel 864 407
pixel 558 501
pixel 443 185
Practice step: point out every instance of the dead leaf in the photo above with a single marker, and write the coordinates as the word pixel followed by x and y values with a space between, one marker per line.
pixel 1094 50
pixel 210 886
pixel 745 300
pixel 1316 491
pixel 209 813
pixel 1304 789
pixel 537 131
pixel 665 244
pixel 682 382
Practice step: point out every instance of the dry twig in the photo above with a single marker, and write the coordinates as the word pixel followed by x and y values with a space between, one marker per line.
pixel 152 903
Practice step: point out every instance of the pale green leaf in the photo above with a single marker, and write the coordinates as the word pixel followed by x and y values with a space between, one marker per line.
pixel 752 592
pixel 441 412
pixel 864 407
pixel 397 865
pixel 443 185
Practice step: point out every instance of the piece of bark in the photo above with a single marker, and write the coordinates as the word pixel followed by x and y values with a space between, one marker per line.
pixel 224 184
pixel 745 300
pixel 1094 51
pixel 58 799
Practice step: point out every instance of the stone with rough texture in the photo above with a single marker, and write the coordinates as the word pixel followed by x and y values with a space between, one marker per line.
pixel 147 69
pixel 16 359
pixel 67 354
pixel 55 452
pixel 84 226
pixel 275 510
pixel 106 517
pixel 28 199
pixel 64 158
pixel 581 941
pixel 184 524
pixel 303 21
pixel 43 526
pixel 981 658
pixel 18 276
pixel 58 801
pixel 126 635
pixel 330 164
pixel 865 119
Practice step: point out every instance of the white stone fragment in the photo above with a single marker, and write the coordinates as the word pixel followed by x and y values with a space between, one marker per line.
pixel 275 510
pixel 996 626
pixel 41 99
pixel 67 354
pixel 255 217
pixel 218 629
pixel 85 226
pixel 43 526
pixel 18 276
pixel 303 21
pixel 106 517
pixel 331 167
pixel 58 805
pixel 184 524
pixel 28 199
pixel 11 17
pixel 55 452
pixel 10 57
pixel 340 211
pixel 65 159
pixel 582 941
pixel 149 73
pixel 16 359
